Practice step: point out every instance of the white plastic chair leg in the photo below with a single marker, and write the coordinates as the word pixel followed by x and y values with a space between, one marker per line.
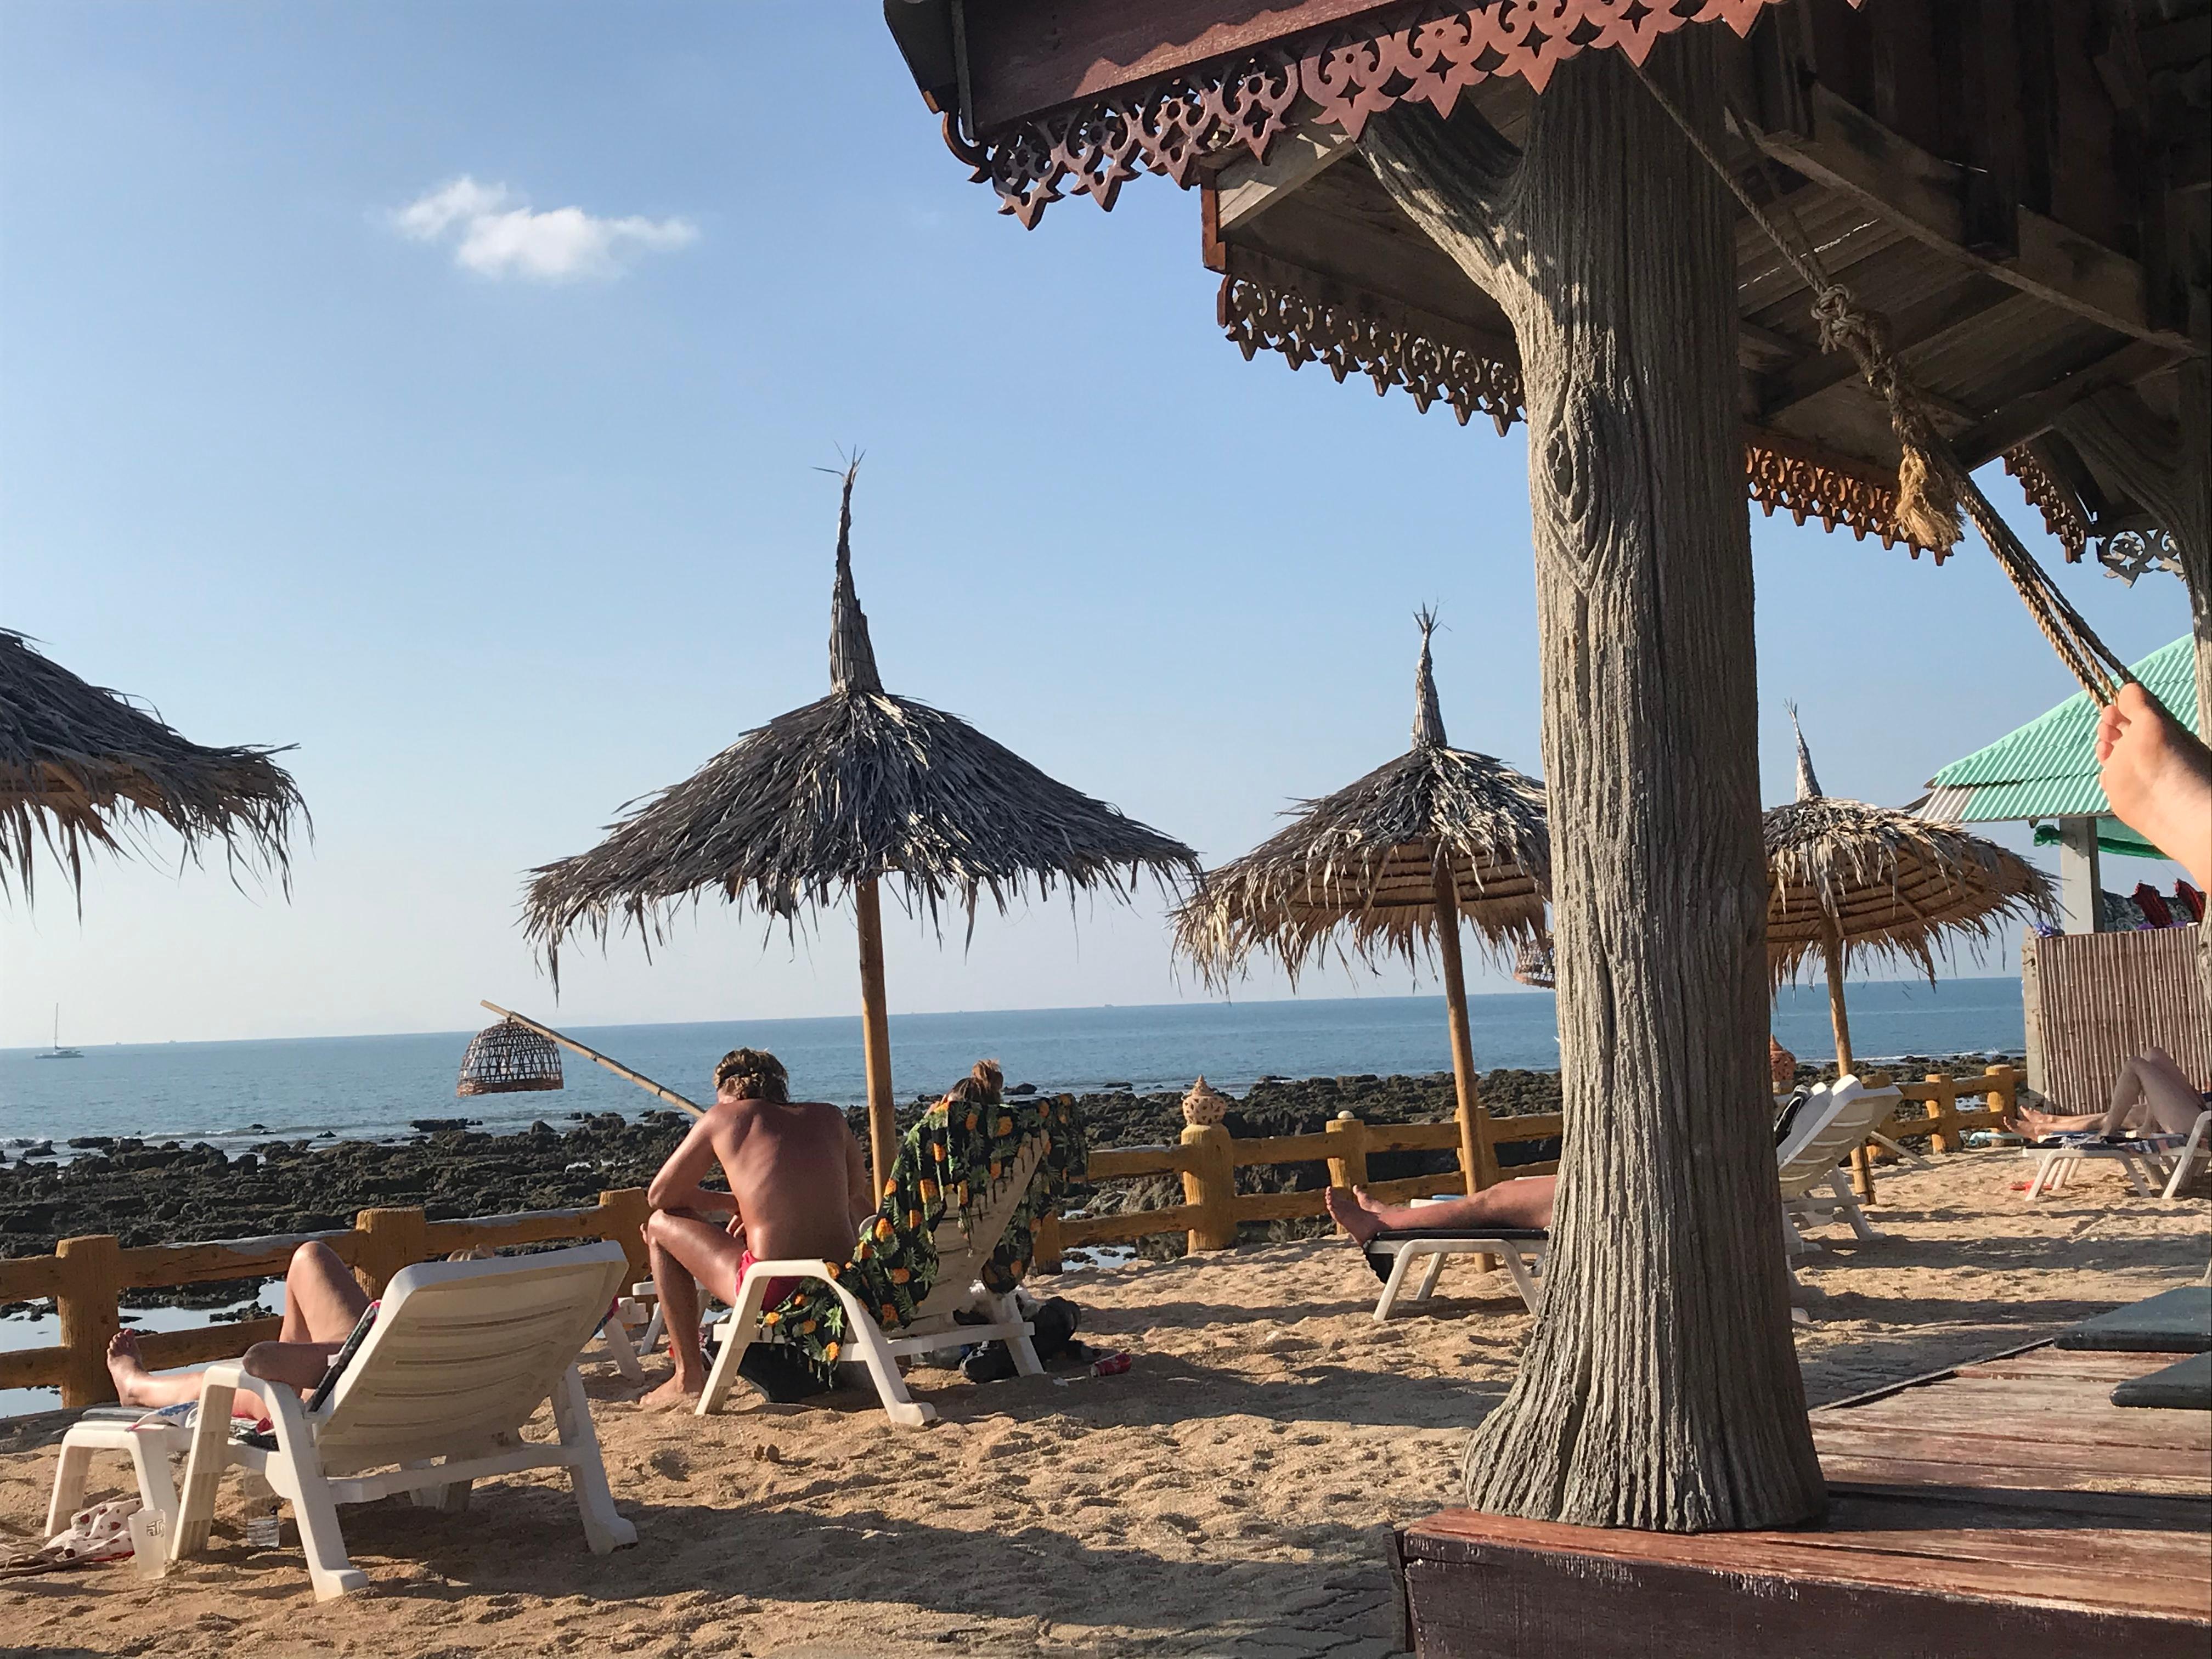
pixel 618 1347
pixel 1848 1206
pixel 1429 1278
pixel 604 1530
pixel 1006 1310
pixel 2190 1152
pixel 1531 1292
pixel 1402 1260
pixel 157 1488
pixel 69 1487
pixel 295 1470
pixel 208 1456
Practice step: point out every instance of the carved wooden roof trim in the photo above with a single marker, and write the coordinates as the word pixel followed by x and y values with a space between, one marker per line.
pixel 1267 303
pixel 1338 75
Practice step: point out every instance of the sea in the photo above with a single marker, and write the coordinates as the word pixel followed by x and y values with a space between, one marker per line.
pixel 232 1095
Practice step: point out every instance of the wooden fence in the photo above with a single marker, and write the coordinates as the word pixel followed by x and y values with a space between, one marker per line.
pixel 1207 1160
pixel 86 1277
pixel 2094 1001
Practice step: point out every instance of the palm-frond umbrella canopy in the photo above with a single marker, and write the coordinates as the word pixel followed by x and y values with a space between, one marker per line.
pixel 1846 879
pixel 1386 865
pixel 82 766
pixel 830 798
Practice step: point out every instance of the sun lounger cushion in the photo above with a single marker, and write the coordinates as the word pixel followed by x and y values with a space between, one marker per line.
pixel 2184 1387
pixel 2173 1322
pixel 943 1165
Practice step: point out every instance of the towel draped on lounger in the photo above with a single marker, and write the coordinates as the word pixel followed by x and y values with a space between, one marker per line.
pixel 945 1164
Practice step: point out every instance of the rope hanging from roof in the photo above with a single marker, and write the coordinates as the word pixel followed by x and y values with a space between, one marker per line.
pixel 508 1058
pixel 1933 485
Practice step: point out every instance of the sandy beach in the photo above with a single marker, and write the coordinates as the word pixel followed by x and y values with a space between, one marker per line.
pixel 1229 1494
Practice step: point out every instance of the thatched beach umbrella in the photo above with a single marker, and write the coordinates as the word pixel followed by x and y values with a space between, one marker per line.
pixel 82 766
pixel 1397 859
pixel 1845 878
pixel 829 799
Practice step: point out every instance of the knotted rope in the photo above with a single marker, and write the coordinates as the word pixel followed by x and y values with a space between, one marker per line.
pixel 1933 485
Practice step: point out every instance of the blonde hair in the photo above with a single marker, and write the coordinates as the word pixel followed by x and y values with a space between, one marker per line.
pixel 755 1074
pixel 984 1085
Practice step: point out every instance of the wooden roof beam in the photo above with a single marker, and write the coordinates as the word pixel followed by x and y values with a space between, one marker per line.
pixel 1925 322
pixel 1926 197
pixel 2030 417
pixel 1245 188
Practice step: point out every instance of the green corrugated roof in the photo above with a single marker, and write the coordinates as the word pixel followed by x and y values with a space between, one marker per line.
pixel 2048 769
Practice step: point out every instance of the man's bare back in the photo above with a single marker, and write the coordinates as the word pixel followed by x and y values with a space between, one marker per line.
pixel 799 1188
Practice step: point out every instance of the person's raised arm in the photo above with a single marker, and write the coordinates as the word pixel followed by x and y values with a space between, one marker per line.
pixel 2158 779
pixel 676 1187
pixel 859 1185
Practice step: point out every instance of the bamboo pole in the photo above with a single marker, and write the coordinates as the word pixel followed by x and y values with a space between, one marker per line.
pixel 593 1054
pixel 1462 1040
pixel 1831 953
pixel 876 1031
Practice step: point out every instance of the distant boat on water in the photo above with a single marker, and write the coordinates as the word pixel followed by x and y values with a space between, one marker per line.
pixel 57 1052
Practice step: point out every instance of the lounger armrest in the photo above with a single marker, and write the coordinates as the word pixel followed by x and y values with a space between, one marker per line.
pixel 796 1267
pixel 229 1374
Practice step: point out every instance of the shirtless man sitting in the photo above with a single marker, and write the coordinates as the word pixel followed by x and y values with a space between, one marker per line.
pixel 1520 1205
pixel 799 1187
pixel 322 1304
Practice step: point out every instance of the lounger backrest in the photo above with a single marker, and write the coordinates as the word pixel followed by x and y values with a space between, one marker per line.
pixel 464 1350
pixel 1828 1136
pixel 962 1251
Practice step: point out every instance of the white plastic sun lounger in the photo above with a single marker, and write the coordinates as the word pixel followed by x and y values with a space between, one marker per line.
pixel 2155 1165
pixel 460 1357
pixel 1838 1118
pixel 961 1253
pixel 1521 1251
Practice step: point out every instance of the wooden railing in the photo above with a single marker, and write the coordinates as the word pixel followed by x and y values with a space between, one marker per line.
pixel 1207 1160
pixel 1944 1121
pixel 86 1277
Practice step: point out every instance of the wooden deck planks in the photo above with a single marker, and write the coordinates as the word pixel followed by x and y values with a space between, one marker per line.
pixel 2008 1503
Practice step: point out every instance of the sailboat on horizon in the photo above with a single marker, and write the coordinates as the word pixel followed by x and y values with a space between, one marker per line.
pixel 57 1052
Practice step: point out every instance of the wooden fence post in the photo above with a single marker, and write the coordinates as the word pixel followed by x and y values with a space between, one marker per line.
pixel 91 1276
pixel 389 1240
pixel 1347 1151
pixel 1209 1180
pixel 625 1213
pixel 1044 1256
pixel 1944 1108
pixel 2004 1089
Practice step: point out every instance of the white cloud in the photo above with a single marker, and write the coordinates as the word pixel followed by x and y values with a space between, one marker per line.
pixel 495 235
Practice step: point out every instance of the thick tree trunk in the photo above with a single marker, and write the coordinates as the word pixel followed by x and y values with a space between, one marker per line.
pixel 1660 1388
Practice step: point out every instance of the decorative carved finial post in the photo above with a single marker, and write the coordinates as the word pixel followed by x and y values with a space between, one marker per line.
pixel 851 657
pixel 1808 786
pixel 1205 1105
pixel 1428 713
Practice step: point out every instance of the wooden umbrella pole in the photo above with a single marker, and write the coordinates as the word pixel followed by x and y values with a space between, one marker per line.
pixel 594 1056
pixel 1471 1159
pixel 1831 952
pixel 875 1032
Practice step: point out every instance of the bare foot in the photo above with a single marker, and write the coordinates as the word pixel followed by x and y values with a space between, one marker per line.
pixel 126 1367
pixel 2158 778
pixel 675 1395
pixel 1350 1209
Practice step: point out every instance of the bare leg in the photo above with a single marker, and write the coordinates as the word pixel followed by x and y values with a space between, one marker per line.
pixel 686 1252
pixel 1522 1204
pixel 2025 1121
pixel 2170 1101
pixel 322 1304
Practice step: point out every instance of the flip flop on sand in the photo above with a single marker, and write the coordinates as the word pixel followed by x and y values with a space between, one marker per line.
pixel 100 1533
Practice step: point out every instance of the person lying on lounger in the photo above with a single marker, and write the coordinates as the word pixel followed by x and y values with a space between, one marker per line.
pixel 1521 1204
pixel 323 1303
pixel 2152 1095
pixel 799 1187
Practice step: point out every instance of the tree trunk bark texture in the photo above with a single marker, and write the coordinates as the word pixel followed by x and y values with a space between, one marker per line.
pixel 1660 1388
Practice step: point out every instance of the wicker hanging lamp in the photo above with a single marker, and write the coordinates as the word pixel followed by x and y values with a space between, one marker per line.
pixel 508 1059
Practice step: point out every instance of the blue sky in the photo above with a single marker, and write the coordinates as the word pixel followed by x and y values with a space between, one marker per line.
pixel 513 518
